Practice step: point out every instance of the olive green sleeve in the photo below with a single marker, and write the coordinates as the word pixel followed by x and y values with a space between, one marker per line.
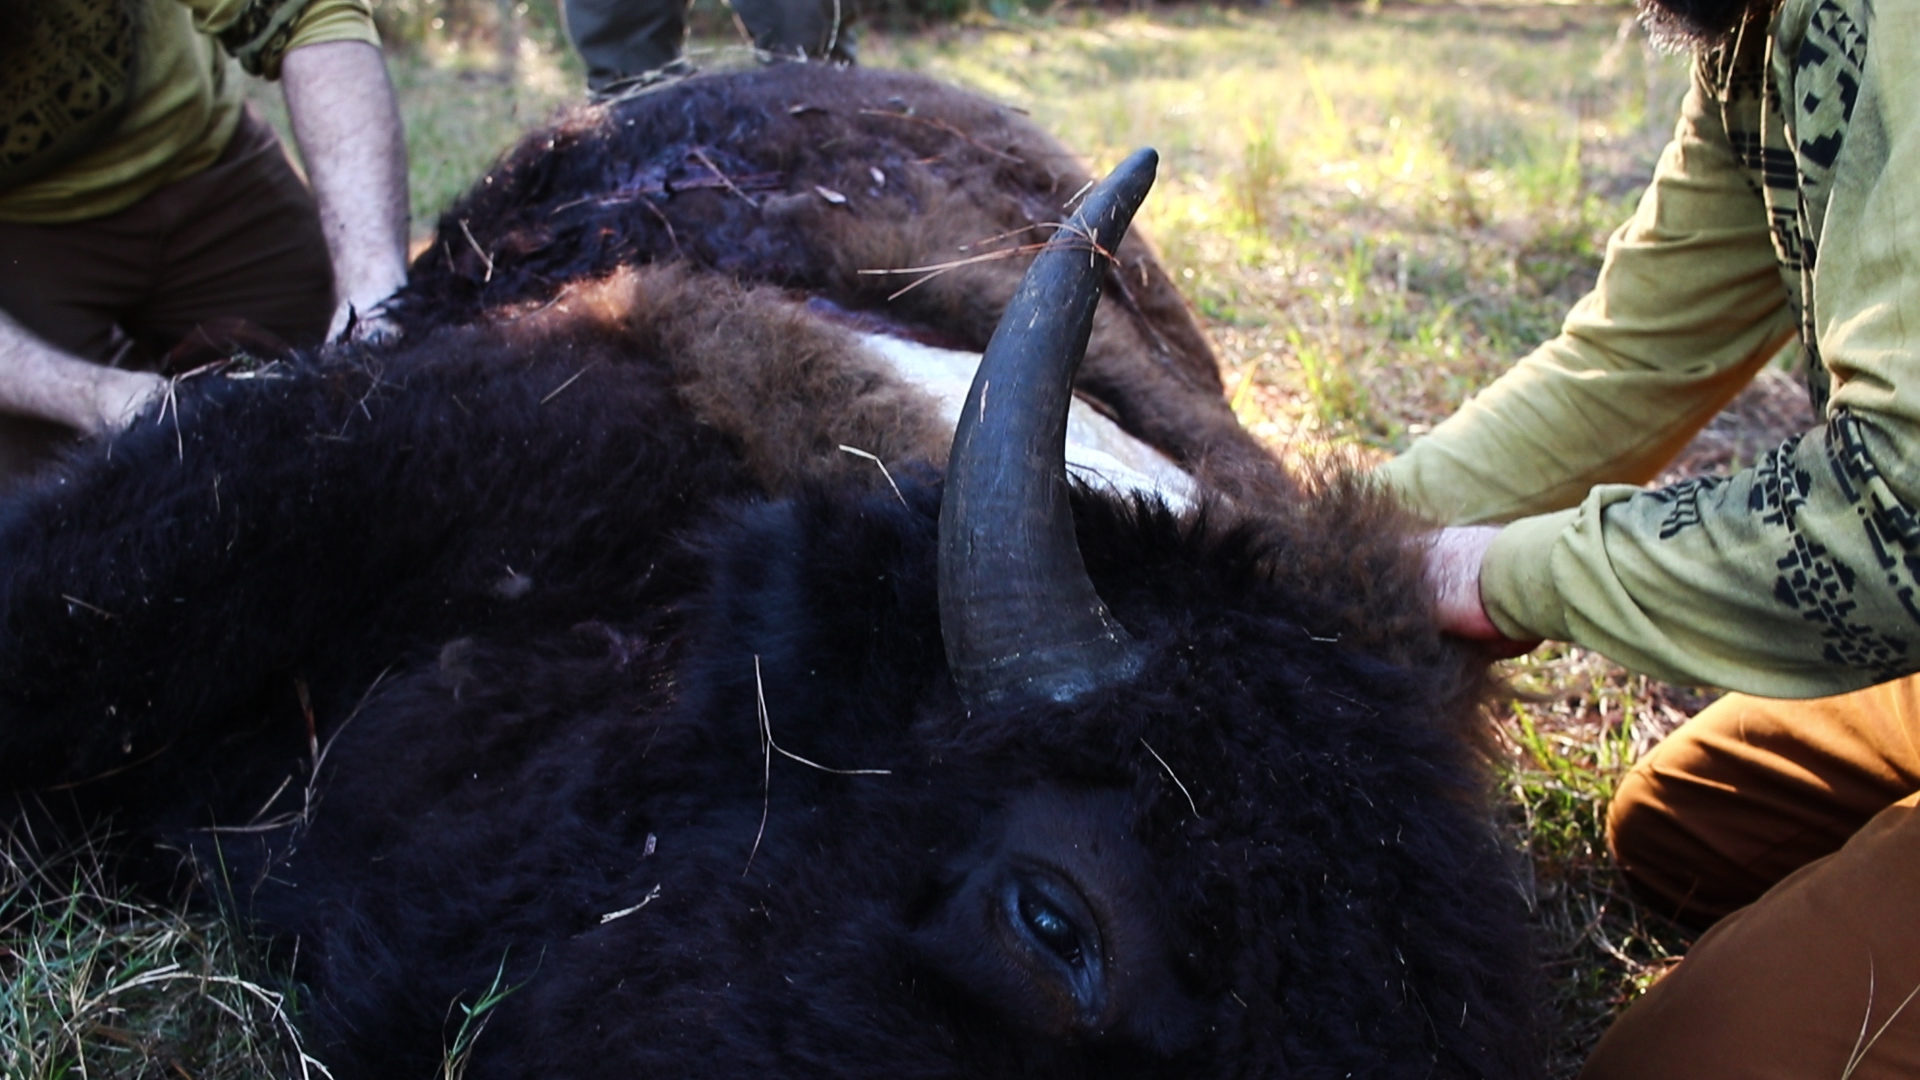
pixel 1688 305
pixel 1800 576
pixel 258 33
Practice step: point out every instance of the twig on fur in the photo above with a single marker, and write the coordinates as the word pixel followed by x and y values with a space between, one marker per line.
pixel 766 766
pixel 271 799
pixel 767 749
pixel 997 237
pixel 942 125
pixel 624 912
pixel 1170 774
pixel 313 776
pixel 172 402
pixel 477 250
pixel 665 223
pixel 318 752
pixel 115 771
pixel 936 269
pixel 571 379
pixel 857 452
pixel 306 713
pixel 700 156
pixel 79 603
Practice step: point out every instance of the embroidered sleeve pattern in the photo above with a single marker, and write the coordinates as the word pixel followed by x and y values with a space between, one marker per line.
pixel 260 35
pixel 65 79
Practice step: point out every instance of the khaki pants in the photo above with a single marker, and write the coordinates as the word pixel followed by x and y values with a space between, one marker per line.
pixel 1795 825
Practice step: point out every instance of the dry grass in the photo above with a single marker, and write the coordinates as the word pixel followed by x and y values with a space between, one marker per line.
pixel 1376 210
pixel 94 984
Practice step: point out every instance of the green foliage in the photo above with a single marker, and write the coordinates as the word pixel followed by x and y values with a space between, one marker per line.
pixel 1580 722
pixel 93 984
pixel 473 1021
pixel 1482 155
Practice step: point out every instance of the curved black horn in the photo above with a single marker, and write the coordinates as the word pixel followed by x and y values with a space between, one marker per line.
pixel 1017 610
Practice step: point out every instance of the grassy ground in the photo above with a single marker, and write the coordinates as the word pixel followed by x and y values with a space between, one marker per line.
pixel 1376 209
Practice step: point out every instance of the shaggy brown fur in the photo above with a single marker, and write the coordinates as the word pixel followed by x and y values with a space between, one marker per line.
pixel 831 182
pixel 787 387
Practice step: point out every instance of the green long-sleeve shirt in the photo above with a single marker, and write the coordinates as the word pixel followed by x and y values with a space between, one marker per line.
pixel 1788 201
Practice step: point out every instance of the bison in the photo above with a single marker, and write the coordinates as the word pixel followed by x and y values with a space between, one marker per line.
pixel 616 641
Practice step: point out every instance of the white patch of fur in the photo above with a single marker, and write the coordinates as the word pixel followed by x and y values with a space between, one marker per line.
pixel 1099 452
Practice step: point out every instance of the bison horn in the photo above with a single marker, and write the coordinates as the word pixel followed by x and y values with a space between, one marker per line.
pixel 1018 612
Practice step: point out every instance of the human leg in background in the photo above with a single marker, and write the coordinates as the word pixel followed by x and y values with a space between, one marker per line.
pixel 799 29
pixel 624 39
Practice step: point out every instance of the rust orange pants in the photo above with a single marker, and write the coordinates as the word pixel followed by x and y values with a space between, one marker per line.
pixel 1795 825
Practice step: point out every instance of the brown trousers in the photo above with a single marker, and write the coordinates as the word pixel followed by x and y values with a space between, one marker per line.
pixel 1796 825
pixel 240 239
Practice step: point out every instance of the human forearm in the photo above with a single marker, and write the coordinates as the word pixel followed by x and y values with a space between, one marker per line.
pixel 1789 579
pixel 1689 303
pixel 348 126
pixel 39 380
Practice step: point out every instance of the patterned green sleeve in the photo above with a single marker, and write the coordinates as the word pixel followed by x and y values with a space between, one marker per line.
pixel 1688 305
pixel 258 33
pixel 1797 577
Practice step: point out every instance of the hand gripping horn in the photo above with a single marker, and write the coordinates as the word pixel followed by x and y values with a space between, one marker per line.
pixel 1017 611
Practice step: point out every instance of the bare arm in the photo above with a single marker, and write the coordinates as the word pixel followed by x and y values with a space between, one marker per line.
pixel 1453 560
pixel 348 126
pixel 39 380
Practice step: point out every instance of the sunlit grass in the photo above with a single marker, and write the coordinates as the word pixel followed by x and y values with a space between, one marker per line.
pixel 1579 723
pixel 1376 211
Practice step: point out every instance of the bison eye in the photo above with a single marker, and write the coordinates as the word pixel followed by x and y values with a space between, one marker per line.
pixel 1051 919
pixel 1050 927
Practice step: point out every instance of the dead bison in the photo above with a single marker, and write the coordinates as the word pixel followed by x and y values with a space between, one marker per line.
pixel 563 651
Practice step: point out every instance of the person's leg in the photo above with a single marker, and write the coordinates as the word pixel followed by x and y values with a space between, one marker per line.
pixel 621 39
pixel 1752 789
pixel 69 284
pixel 798 29
pixel 1817 978
pixel 243 241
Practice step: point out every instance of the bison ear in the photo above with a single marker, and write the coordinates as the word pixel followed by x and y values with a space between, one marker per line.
pixel 1018 612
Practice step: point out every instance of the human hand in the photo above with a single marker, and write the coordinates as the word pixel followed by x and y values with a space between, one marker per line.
pixel 38 379
pixel 119 396
pixel 368 323
pixel 1453 558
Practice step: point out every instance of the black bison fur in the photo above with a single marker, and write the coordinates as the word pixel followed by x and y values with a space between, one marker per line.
pixel 517 655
